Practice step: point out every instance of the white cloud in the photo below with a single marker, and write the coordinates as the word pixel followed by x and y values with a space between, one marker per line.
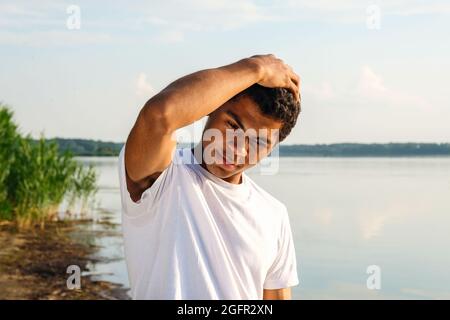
pixel 205 15
pixel 13 9
pixel 355 10
pixel 170 21
pixel 143 88
pixel 371 86
pixel 174 20
pixel 370 83
pixel 53 38
pixel 369 89
pixel 406 9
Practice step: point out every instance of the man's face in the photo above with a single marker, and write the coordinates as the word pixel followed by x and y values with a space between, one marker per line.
pixel 236 137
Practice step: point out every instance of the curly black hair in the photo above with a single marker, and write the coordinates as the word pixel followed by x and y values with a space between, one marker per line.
pixel 277 103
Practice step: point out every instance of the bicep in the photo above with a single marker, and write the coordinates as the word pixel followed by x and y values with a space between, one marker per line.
pixel 277 294
pixel 150 147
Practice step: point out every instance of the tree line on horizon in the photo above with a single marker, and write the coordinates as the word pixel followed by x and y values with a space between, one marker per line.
pixel 86 147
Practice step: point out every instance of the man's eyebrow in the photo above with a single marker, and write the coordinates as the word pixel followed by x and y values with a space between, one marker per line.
pixel 236 118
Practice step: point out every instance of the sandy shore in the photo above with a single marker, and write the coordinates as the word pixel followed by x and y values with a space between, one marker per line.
pixel 33 264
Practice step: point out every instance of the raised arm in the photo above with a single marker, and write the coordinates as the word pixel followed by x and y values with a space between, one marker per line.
pixel 149 147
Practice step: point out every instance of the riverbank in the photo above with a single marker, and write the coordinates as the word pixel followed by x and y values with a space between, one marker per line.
pixel 33 262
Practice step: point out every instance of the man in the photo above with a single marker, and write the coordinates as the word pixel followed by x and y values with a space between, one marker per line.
pixel 195 225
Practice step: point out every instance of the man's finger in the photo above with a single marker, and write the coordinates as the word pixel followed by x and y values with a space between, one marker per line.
pixel 295 78
pixel 294 90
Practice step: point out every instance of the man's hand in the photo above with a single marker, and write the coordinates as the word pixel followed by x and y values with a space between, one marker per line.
pixel 275 73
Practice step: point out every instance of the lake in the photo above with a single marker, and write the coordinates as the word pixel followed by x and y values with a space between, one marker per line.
pixel 347 215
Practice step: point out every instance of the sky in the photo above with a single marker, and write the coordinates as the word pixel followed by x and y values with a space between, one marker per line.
pixel 372 71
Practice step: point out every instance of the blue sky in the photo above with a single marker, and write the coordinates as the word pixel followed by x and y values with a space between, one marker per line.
pixel 367 76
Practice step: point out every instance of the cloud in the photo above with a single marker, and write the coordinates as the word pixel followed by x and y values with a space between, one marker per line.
pixel 440 8
pixel 167 21
pixel 143 88
pixel 173 21
pixel 13 9
pixel 369 89
pixel 371 83
pixel 354 11
pixel 53 38
pixel 16 14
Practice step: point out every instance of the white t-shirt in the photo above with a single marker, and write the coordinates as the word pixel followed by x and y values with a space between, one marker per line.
pixel 193 235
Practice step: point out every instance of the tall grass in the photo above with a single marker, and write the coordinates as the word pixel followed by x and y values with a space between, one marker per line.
pixel 35 178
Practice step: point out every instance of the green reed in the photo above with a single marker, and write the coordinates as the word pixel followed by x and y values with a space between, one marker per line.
pixel 35 178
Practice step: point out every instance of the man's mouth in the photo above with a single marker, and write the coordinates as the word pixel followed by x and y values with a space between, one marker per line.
pixel 227 165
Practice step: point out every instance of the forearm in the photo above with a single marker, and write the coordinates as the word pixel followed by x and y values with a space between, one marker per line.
pixel 277 294
pixel 194 96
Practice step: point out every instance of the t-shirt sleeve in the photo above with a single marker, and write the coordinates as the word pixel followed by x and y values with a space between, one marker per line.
pixel 136 209
pixel 283 271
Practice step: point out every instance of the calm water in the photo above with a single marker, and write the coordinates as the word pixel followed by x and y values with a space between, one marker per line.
pixel 346 214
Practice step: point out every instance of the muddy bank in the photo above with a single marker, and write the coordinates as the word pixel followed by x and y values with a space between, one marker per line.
pixel 33 263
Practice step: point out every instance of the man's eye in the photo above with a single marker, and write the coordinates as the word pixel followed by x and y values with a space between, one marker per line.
pixel 231 124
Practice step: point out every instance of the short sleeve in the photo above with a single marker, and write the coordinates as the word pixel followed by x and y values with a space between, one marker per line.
pixel 283 271
pixel 135 209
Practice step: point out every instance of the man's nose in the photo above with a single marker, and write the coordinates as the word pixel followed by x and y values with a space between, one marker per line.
pixel 237 148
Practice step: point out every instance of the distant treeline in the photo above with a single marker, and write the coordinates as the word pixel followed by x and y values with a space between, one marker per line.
pixel 85 147
pixel 366 150
pixel 82 147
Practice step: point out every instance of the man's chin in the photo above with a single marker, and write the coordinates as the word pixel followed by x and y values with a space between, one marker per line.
pixel 221 172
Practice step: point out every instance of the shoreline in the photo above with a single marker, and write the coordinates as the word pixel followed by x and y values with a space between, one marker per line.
pixel 33 263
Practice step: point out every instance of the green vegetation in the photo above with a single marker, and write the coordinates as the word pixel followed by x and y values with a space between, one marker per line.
pixel 366 150
pixel 82 147
pixel 36 177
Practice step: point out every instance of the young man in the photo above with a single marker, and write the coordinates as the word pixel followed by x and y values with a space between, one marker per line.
pixel 195 225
